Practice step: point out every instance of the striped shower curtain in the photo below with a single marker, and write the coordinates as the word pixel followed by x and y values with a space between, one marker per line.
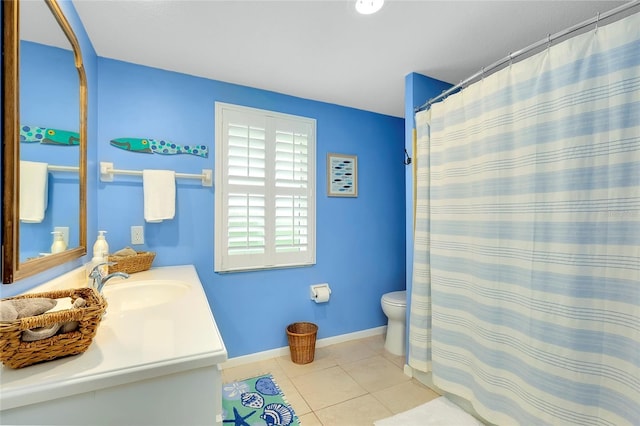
pixel 526 283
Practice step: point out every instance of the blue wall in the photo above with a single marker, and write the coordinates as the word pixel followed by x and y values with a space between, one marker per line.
pixel 360 241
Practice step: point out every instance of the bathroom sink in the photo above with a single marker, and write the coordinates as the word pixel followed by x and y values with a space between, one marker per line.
pixel 124 296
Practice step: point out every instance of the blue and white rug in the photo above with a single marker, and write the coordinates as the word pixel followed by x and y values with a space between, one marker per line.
pixel 257 401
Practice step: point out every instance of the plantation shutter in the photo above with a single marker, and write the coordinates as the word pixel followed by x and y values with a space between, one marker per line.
pixel 265 186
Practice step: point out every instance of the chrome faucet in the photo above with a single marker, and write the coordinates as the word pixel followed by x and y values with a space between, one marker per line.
pixel 98 281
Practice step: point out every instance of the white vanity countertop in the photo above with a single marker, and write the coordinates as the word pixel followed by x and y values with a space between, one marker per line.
pixel 128 347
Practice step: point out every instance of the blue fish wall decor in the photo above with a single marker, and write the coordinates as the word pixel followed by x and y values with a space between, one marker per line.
pixel 48 136
pixel 159 146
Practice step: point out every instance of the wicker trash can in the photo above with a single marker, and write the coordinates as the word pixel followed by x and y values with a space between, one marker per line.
pixel 302 341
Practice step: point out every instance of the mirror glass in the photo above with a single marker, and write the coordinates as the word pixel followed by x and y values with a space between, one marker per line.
pixel 44 104
pixel 49 133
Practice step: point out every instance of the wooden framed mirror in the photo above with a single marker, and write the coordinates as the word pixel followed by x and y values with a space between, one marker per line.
pixel 59 111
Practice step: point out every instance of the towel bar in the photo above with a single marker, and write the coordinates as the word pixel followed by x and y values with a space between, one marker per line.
pixel 52 168
pixel 107 171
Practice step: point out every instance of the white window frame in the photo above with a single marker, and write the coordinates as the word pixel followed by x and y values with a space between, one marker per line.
pixel 270 258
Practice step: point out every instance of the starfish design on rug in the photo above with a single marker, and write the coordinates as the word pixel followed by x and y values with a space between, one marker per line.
pixel 239 420
pixel 232 390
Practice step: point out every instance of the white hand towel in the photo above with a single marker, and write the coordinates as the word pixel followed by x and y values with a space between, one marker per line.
pixel 159 187
pixel 33 191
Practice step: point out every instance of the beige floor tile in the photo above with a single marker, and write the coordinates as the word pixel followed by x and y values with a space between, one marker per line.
pixel 327 387
pixel 376 373
pixel 321 360
pixel 398 360
pixel 253 369
pixel 293 397
pixel 405 396
pixel 309 419
pixel 374 342
pixel 360 411
pixel 348 384
pixel 347 352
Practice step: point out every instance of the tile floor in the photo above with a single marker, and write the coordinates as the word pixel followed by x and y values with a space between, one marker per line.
pixel 348 384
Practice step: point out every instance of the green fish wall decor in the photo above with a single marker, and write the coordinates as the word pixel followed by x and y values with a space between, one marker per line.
pixel 48 136
pixel 159 146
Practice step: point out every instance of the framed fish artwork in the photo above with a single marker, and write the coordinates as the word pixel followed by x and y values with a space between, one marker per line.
pixel 342 175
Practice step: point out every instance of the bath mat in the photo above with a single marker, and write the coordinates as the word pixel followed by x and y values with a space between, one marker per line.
pixel 257 401
pixel 438 412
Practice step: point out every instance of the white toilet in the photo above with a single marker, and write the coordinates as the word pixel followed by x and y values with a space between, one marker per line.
pixel 394 306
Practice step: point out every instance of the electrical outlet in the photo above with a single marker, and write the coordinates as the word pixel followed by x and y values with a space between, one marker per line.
pixel 65 233
pixel 137 235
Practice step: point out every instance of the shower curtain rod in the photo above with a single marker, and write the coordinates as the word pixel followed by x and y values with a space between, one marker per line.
pixel 512 56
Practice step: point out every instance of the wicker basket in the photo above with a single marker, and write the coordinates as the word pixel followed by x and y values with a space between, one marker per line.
pixel 15 353
pixel 131 264
pixel 302 341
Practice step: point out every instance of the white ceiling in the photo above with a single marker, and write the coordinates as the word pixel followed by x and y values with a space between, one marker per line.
pixel 324 50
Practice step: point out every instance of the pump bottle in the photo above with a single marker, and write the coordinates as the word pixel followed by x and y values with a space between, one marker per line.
pixel 100 254
pixel 101 247
pixel 58 245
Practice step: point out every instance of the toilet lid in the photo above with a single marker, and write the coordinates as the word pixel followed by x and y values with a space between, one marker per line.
pixel 396 298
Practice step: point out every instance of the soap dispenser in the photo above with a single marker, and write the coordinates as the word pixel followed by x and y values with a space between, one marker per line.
pixel 101 247
pixel 58 245
pixel 100 253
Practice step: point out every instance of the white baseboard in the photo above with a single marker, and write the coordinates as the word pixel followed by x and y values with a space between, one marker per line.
pixel 328 341
pixel 408 370
pixel 320 343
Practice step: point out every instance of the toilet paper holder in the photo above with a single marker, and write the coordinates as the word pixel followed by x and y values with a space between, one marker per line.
pixel 316 288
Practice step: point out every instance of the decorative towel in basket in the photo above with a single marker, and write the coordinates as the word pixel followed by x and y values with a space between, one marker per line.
pixel 141 261
pixel 16 353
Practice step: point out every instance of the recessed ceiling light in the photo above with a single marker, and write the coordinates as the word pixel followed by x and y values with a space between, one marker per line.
pixel 367 7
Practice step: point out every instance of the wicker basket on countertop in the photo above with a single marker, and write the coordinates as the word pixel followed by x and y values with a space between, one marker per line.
pixel 16 353
pixel 131 264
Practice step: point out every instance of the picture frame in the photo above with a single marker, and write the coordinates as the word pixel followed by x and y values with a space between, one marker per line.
pixel 342 175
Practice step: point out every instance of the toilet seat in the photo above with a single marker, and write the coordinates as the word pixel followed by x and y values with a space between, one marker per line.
pixel 395 298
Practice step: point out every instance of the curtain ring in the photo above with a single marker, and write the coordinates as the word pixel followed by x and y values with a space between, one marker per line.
pixel 444 95
pixel 548 40
pixel 597 20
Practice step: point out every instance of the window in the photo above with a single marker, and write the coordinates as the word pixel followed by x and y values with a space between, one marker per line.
pixel 265 189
